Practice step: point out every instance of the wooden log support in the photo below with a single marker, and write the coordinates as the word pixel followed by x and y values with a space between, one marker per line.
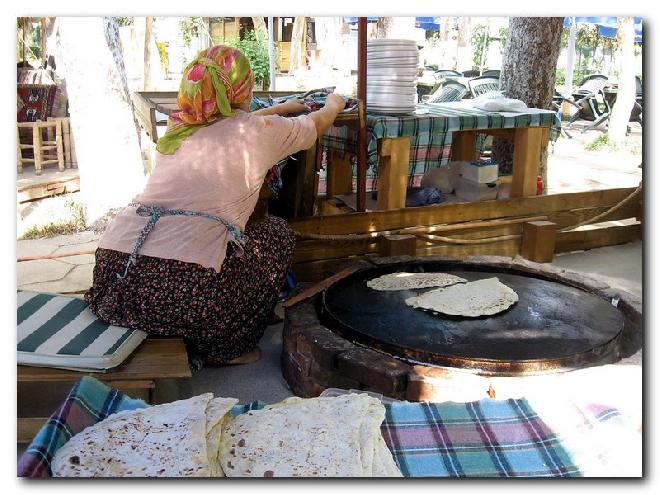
pixel 19 154
pixel 340 176
pixel 527 143
pixel 398 245
pixel 393 160
pixel 59 143
pixel 36 147
pixel 307 182
pixel 463 146
pixel 538 241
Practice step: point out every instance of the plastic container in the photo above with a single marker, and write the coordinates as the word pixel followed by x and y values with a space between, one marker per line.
pixel 484 172
pixel 336 392
pixel 469 190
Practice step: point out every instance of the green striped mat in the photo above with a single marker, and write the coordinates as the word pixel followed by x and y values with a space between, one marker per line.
pixel 61 332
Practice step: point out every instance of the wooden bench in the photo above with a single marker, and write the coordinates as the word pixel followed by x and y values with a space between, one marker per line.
pixel 155 358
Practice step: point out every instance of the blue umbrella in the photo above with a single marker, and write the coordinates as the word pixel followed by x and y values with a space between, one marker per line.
pixel 428 22
pixel 353 20
pixel 420 22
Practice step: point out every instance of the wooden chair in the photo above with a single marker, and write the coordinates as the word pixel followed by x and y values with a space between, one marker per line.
pixel 45 151
pixel 70 159
pixel 483 84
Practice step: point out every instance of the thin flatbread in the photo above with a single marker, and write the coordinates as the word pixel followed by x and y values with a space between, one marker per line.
pixel 408 281
pixel 479 298
pixel 384 464
pixel 318 437
pixel 166 440
pixel 216 412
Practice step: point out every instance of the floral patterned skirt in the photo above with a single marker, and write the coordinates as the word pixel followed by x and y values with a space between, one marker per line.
pixel 219 315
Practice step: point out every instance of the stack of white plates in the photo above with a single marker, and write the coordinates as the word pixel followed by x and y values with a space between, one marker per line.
pixel 391 76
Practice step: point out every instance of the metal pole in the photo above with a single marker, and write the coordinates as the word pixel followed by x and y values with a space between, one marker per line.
pixel 362 131
pixel 271 55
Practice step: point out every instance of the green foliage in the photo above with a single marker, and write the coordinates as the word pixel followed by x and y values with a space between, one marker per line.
pixel 192 27
pixel 31 45
pixel 125 21
pixel 560 77
pixel 503 35
pixel 600 143
pixel 162 53
pixel 479 34
pixel 255 47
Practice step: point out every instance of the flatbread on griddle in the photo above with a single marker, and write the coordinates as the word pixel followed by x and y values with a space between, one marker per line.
pixel 407 281
pixel 479 298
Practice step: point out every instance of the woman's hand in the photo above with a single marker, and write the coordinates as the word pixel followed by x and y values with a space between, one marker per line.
pixel 294 106
pixel 335 100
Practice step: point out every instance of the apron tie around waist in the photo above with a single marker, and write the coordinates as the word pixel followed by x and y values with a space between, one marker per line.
pixel 156 212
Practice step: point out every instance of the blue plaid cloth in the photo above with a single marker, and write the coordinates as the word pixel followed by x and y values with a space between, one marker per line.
pixel 487 438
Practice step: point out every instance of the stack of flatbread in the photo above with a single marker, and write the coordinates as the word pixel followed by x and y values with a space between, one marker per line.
pixel 169 440
pixel 329 436
pixel 318 437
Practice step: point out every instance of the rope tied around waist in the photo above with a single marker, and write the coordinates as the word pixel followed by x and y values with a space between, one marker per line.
pixel 155 212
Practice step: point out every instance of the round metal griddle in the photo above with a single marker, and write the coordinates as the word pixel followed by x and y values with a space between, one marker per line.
pixel 552 325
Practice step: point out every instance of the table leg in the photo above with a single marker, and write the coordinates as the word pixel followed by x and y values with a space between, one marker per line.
pixel 527 145
pixel 306 183
pixel 340 176
pixel 463 146
pixel 393 161
pixel 36 148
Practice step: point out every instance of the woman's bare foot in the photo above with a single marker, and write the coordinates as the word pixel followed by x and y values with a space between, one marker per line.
pixel 248 358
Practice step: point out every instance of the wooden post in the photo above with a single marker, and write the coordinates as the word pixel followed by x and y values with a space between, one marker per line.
pixel 66 137
pixel 398 245
pixel 527 144
pixel 306 183
pixel 538 241
pixel 19 155
pixel 36 148
pixel 361 200
pixel 72 142
pixel 340 176
pixel 463 146
pixel 59 145
pixel 393 160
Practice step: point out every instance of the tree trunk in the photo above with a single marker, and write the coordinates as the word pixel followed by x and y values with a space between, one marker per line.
pixel 464 44
pixel 625 99
pixel 297 38
pixel 384 26
pixel 260 27
pixel 102 122
pixel 148 28
pixel 528 74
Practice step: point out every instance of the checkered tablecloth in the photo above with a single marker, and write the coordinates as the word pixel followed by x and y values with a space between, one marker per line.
pixel 485 438
pixel 431 129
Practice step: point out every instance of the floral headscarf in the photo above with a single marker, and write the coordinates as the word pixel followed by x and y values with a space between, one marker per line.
pixel 217 78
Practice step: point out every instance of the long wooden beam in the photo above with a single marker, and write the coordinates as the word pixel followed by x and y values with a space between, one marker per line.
pixel 354 223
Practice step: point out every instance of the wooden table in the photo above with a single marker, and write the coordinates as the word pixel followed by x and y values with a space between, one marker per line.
pixel 154 359
pixel 397 142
